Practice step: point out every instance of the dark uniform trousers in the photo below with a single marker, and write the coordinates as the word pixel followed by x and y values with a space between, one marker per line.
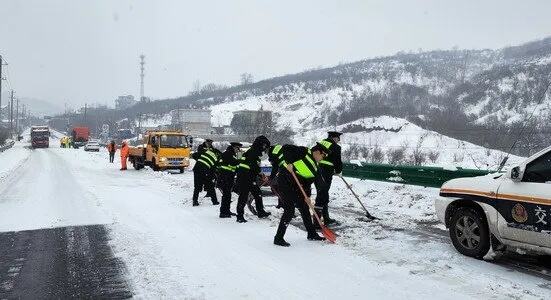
pixel 246 185
pixel 225 183
pixel 292 197
pixel 203 178
pixel 323 185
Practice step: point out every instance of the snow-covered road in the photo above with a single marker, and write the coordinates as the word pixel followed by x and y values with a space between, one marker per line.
pixel 173 250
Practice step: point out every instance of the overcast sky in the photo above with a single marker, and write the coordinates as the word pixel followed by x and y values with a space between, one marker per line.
pixel 78 51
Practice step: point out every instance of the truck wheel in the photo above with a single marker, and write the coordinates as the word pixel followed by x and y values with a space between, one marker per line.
pixel 135 165
pixel 182 170
pixel 469 232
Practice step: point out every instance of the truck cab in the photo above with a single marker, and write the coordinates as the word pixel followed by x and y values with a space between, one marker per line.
pixel 510 209
pixel 162 150
pixel 40 136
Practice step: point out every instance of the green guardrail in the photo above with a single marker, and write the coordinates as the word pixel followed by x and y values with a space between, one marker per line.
pixel 413 175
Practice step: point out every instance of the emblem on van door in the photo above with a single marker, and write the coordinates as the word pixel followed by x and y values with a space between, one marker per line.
pixel 519 213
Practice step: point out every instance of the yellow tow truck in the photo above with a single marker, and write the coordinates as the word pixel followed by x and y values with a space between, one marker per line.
pixel 162 150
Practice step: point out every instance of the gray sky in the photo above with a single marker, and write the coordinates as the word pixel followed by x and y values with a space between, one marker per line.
pixel 78 51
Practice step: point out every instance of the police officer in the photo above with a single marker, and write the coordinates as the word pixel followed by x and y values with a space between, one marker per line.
pixel 226 177
pixel 329 166
pixel 247 174
pixel 203 172
pixel 304 163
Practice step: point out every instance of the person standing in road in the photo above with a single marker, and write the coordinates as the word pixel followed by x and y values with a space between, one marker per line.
pixel 226 177
pixel 328 167
pixel 206 160
pixel 111 148
pixel 304 163
pixel 247 173
pixel 124 155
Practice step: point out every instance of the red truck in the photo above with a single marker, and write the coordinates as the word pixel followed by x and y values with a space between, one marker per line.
pixel 40 136
pixel 80 135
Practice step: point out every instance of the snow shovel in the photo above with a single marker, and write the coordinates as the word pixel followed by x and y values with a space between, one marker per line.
pixel 367 214
pixel 327 233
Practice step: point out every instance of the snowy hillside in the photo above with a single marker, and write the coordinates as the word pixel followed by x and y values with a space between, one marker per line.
pixel 480 96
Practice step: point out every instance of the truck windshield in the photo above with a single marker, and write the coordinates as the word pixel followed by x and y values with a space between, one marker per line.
pixel 173 141
pixel 40 134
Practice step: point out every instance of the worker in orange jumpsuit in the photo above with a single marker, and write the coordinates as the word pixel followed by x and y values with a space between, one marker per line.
pixel 124 155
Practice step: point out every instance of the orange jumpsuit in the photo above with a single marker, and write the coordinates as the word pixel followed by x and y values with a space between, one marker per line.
pixel 124 156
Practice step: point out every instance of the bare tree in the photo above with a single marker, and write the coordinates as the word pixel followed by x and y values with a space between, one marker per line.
pixel 246 78
pixel 396 156
pixel 196 88
pixel 433 156
pixel 377 155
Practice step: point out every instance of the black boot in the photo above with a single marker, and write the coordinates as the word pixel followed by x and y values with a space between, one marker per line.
pixel 326 219
pixel 281 229
pixel 215 202
pixel 225 215
pixel 281 242
pixel 263 214
pixel 313 236
pixel 195 203
pixel 241 219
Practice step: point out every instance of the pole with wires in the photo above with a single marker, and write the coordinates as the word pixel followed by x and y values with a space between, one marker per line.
pixel 11 113
pixel 1 78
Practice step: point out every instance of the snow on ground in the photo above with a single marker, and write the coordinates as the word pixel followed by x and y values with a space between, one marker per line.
pixel 173 250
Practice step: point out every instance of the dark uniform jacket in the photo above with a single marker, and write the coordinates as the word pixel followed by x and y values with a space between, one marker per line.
pixel 249 165
pixel 303 162
pixel 276 159
pixel 228 161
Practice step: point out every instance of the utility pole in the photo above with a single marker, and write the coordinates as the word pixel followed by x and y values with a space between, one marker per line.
pixel 1 78
pixel 85 109
pixel 23 114
pixel 17 119
pixel 11 113
pixel 142 63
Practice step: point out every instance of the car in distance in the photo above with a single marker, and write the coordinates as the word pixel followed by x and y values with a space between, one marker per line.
pixel 92 145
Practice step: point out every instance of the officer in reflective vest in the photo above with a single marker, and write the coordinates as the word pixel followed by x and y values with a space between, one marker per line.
pixel 203 173
pixel 304 163
pixel 228 166
pixel 247 173
pixel 329 166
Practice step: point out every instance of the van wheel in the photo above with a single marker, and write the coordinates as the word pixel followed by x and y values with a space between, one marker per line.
pixel 469 233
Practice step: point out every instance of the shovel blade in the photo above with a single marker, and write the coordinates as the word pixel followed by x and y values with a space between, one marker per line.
pixel 328 234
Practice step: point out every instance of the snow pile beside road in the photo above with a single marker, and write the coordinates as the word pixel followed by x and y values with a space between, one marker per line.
pixel 13 158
